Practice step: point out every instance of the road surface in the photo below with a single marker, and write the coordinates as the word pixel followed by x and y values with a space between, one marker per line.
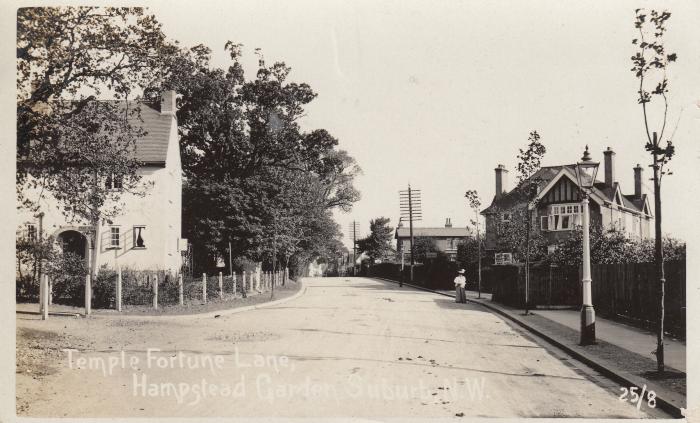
pixel 346 347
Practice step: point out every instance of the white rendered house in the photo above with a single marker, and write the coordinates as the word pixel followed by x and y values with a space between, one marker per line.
pixel 146 235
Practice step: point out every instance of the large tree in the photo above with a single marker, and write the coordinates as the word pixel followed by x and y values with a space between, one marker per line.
pixel 649 65
pixel 377 245
pixel 253 176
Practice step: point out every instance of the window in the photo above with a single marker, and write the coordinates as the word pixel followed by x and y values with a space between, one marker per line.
pixel 562 217
pixel 139 234
pixel 114 237
pixel 31 232
pixel 505 217
pixel 113 181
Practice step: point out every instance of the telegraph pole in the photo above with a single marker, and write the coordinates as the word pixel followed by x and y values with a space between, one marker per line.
pixel 354 229
pixel 410 205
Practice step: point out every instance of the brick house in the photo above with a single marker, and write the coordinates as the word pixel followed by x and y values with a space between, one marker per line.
pixel 147 233
pixel 446 238
pixel 558 211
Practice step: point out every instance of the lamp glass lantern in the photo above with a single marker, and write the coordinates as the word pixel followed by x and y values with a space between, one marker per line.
pixel 586 171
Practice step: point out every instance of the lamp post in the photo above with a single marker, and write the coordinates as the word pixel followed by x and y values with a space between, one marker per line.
pixel 586 171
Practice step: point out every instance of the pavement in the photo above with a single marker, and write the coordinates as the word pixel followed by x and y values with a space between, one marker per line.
pixel 347 347
pixel 624 336
pixel 622 352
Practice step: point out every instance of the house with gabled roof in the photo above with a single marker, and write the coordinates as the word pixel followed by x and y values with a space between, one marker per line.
pixel 556 209
pixel 446 238
pixel 147 234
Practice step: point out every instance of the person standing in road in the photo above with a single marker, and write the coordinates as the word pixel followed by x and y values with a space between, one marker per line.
pixel 460 282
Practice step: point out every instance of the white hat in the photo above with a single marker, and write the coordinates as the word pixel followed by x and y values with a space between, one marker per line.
pixel 460 271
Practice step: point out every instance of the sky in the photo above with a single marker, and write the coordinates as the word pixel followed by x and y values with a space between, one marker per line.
pixel 437 94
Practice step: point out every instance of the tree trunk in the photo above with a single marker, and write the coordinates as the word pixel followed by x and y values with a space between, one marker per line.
pixel 659 264
pixel 527 261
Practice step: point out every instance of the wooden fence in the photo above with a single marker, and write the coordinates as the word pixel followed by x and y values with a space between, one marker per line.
pixel 626 292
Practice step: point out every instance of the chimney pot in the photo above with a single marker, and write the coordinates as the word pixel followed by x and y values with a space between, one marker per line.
pixel 609 167
pixel 501 180
pixel 168 102
pixel 638 171
pixel 448 222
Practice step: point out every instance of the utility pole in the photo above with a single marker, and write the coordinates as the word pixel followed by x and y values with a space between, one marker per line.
pixel 354 229
pixel 410 205
pixel 230 261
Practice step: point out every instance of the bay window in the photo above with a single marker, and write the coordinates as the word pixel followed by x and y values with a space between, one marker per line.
pixel 561 217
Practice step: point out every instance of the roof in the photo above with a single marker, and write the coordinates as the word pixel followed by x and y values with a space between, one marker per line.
pixel 543 176
pixel 546 174
pixel 152 147
pixel 404 232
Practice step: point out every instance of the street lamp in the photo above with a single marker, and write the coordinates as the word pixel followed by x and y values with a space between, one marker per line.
pixel 586 171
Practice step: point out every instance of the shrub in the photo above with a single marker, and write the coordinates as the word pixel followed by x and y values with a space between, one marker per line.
pixel 27 289
pixel 68 271
pixel 104 288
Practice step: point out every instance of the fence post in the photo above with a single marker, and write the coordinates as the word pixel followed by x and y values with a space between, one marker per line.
pixel 118 299
pixel 155 292
pixel 234 285
pixel 50 290
pixel 221 285
pixel 88 294
pixel 204 287
pixel 180 290
pixel 44 296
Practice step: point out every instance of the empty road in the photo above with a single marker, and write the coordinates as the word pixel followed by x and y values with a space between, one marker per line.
pixel 346 347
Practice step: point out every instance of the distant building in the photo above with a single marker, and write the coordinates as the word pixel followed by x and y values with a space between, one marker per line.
pixel 558 209
pixel 446 238
pixel 147 233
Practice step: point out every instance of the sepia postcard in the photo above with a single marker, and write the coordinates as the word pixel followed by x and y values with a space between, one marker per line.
pixel 350 210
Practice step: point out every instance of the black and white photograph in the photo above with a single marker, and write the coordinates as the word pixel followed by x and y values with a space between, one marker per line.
pixel 350 210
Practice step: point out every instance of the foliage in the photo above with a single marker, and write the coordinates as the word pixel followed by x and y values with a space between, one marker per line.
pixel 253 177
pixel 612 247
pixel 511 233
pixel 377 245
pixel 649 65
pixel 423 245
pixel 104 288
pixel 68 143
pixel 67 272
pixel 473 199
pixel 530 159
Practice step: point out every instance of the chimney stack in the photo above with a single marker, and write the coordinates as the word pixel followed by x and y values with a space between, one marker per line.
pixel 609 167
pixel 168 103
pixel 448 223
pixel 638 172
pixel 501 180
